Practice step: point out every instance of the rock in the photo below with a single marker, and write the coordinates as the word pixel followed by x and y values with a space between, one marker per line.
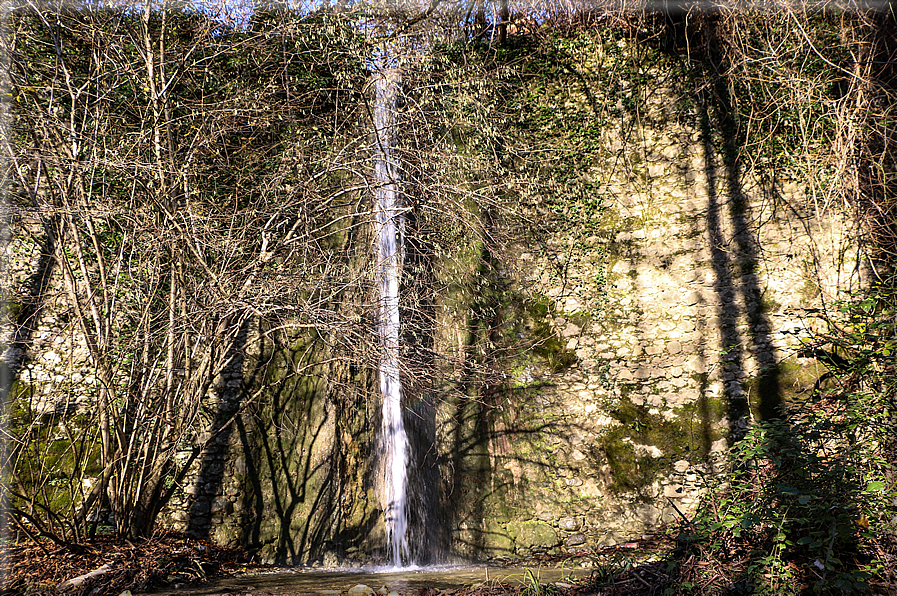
pixel 570 524
pixel 532 535
pixel 571 304
pixel 609 540
pixel 570 330
pixel 697 365
pixel 200 508
pixel 360 590
pixel 681 466
pixel 575 540
pixel 221 504
pixel 672 491
pixel 642 373
pixel 624 375
pixel 656 170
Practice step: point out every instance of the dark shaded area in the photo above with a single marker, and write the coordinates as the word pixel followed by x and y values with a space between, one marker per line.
pixel 428 526
pixel 876 160
pixel 296 468
pixel 306 444
pixel 24 312
pixel 427 529
pixel 210 480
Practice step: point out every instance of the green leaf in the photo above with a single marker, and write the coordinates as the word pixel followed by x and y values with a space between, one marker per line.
pixel 875 486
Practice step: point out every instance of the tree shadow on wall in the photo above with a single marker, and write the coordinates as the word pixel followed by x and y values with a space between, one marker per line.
pixel 275 476
pixel 297 469
pixel 207 499
pixel 731 227
pixel 483 426
pixel 25 312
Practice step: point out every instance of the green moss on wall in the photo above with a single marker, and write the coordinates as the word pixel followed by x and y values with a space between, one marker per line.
pixel 793 384
pixel 688 435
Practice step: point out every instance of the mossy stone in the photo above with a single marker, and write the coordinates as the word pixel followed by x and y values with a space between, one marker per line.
pixel 532 535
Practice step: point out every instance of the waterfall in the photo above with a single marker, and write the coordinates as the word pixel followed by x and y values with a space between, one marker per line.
pixel 390 226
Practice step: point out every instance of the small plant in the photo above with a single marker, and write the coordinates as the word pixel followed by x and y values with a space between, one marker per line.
pixel 532 585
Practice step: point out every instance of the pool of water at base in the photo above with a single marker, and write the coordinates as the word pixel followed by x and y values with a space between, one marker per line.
pixel 320 582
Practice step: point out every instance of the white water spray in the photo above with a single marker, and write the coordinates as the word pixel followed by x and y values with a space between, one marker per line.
pixel 390 226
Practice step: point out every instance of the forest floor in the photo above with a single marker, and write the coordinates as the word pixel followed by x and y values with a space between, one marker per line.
pixel 171 563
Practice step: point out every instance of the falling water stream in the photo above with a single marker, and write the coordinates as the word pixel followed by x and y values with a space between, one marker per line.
pixel 390 225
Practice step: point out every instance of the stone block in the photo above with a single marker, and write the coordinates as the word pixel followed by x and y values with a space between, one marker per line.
pixel 571 330
pixel 681 466
pixel 672 491
pixel 697 365
pixel 642 373
pixel 532 535
pixel 570 524
pixel 575 540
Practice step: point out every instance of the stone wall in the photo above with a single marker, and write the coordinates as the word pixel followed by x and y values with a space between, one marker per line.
pixel 676 324
pixel 712 280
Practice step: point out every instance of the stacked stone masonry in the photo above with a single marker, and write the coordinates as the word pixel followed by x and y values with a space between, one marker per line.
pixel 710 277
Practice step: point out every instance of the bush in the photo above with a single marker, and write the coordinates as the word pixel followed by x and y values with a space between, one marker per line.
pixel 808 503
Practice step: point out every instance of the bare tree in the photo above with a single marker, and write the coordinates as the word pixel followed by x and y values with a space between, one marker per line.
pixel 179 205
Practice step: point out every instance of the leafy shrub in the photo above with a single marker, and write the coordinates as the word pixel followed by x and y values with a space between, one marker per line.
pixel 808 503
